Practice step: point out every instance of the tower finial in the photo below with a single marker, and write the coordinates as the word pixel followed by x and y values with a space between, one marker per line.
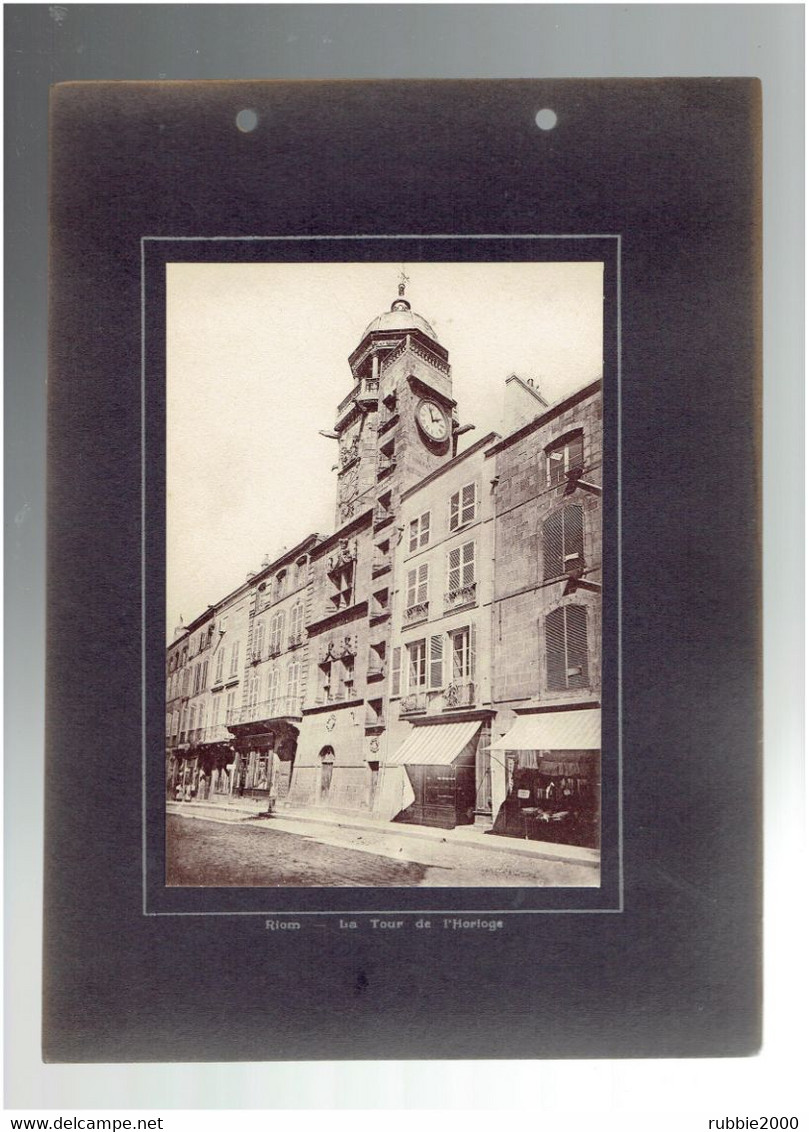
pixel 403 281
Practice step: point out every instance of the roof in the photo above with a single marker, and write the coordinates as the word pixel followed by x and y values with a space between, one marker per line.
pixel 399 318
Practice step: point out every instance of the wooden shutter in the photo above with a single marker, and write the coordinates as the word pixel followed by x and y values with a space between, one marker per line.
pixel 473 652
pixel 573 549
pixel 422 590
pixel 468 574
pixel 576 646
pixel 454 510
pixel 396 673
pixel 555 650
pixel 414 535
pixel 411 589
pixel 424 537
pixel 468 500
pixel 437 661
pixel 454 569
pixel 553 545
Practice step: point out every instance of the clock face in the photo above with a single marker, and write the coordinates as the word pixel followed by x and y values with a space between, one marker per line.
pixel 348 486
pixel 432 420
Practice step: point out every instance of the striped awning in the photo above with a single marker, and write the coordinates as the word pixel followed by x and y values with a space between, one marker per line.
pixel 437 744
pixel 553 731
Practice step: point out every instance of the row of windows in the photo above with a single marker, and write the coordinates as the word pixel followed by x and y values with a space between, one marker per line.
pixel 275 636
pixel 432 663
pixel 460 572
pixel 265 693
pixel 463 509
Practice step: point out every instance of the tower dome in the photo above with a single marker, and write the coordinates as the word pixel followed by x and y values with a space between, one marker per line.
pixel 400 317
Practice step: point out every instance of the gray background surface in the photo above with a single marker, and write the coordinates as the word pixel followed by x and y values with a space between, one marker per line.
pixel 46 44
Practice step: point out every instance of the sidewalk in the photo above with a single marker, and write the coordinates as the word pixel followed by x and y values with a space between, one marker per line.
pixel 302 819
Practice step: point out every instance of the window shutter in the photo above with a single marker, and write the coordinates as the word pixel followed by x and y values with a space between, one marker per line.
pixel 396 673
pixel 425 529
pixel 555 650
pixel 574 536
pixel 423 587
pixel 437 661
pixel 454 510
pixel 281 620
pixel 473 652
pixel 468 564
pixel 414 535
pixel 468 498
pixel 454 570
pixel 576 646
pixel 411 588
pixel 258 647
pixel 553 545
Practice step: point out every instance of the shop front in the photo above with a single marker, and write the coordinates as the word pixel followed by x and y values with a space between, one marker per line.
pixel 551 764
pixel 265 758
pixel 438 760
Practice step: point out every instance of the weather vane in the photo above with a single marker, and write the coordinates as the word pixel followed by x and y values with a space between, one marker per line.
pixel 403 281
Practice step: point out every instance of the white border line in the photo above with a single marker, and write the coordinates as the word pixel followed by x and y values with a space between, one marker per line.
pixel 280 914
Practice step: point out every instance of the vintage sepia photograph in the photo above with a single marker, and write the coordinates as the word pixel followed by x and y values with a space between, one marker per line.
pixel 383 583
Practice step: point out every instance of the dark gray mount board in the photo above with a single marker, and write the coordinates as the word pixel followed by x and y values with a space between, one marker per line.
pixel 664 960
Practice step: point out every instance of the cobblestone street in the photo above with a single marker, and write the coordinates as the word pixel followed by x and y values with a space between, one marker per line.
pixel 256 853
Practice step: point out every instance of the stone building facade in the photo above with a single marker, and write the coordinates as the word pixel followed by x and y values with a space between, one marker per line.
pixel 546 614
pixel 385 668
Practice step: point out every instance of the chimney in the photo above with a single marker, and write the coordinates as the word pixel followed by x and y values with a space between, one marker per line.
pixel 522 403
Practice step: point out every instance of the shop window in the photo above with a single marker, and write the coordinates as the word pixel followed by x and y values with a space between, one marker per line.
pixel 463 506
pixel 419 532
pixel 564 456
pixel 566 647
pixel 563 542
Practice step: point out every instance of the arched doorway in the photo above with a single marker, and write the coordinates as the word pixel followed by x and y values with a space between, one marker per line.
pixel 326 766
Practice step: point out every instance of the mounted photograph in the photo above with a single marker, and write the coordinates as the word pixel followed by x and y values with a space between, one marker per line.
pixel 383 574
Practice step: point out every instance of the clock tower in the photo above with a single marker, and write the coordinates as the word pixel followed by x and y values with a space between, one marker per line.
pixel 398 422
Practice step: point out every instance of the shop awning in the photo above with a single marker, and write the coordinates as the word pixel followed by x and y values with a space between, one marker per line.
pixel 553 731
pixel 436 744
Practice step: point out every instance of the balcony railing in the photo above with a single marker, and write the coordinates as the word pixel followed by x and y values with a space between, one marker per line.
pixel 417 613
pixel 461 597
pixel 459 695
pixel 413 702
pixel 294 639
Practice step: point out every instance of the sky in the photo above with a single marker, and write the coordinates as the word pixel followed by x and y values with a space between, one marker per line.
pixel 257 362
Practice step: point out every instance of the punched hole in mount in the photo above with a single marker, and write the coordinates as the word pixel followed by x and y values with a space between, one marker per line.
pixel 546 119
pixel 246 120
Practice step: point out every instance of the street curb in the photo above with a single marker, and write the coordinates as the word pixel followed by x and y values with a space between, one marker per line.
pixel 544 851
